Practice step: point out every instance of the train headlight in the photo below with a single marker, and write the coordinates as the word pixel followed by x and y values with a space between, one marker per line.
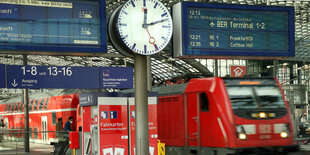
pixel 282 129
pixel 242 136
pixel 262 115
pixel 284 134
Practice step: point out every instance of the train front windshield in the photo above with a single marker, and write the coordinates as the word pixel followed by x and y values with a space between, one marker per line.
pixel 245 99
pixel 251 97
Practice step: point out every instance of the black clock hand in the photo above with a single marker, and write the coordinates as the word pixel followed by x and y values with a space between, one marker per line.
pixel 156 22
pixel 144 25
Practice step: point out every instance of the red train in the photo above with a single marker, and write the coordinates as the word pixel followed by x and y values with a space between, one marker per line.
pixel 44 110
pixel 205 116
pixel 225 116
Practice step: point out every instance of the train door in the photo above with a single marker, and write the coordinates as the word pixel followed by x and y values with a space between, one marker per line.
pixel 44 127
pixel 192 106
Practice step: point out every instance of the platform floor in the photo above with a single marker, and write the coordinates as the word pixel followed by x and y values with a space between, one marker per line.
pixel 17 148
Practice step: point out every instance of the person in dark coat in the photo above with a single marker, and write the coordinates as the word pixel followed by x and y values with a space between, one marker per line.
pixel 68 124
pixel 59 128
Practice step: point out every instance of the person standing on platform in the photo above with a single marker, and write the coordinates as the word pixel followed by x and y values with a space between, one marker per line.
pixel 59 128
pixel 2 125
pixel 68 124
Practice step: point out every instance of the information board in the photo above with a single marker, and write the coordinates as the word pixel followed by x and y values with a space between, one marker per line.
pixel 70 77
pixel 208 30
pixel 67 26
pixel 116 77
pixel 35 77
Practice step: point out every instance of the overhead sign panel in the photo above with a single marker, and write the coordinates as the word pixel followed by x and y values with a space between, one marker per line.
pixel 2 76
pixel 36 77
pixel 67 26
pixel 116 77
pixel 221 30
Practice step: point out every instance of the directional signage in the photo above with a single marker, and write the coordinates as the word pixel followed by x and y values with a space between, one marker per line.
pixel 2 76
pixel 210 30
pixel 76 26
pixel 52 77
pixel 36 77
pixel 116 77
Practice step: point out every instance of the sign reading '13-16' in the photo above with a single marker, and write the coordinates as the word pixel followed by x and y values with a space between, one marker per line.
pixel 35 77
pixel 233 30
pixel 53 25
pixel 52 77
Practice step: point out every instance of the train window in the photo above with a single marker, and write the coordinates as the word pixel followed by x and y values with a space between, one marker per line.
pixel 255 97
pixel 30 105
pixel 54 119
pixel 41 104
pixel 35 106
pixel 204 102
pixel 35 131
pixel 45 106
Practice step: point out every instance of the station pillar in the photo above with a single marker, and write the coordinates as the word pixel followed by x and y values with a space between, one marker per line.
pixel 141 105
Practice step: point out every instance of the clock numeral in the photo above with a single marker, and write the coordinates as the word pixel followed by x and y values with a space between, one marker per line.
pixel 155 5
pixel 133 46
pixel 166 26
pixel 124 12
pixel 125 37
pixel 133 4
pixel 164 14
pixel 156 48
pixel 164 38
pixel 144 49
pixel 122 24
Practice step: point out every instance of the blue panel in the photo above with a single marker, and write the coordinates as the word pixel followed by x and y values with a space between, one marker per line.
pixel 8 11
pixel 79 27
pixel 91 98
pixel 34 77
pixel 2 76
pixel 237 30
pixel 116 77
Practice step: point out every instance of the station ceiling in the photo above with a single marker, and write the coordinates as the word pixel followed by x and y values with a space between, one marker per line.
pixel 165 67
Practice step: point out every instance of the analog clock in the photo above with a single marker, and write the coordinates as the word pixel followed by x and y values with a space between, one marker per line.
pixel 141 26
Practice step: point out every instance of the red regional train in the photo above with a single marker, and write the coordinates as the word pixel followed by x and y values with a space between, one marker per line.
pixel 225 116
pixel 205 116
pixel 44 110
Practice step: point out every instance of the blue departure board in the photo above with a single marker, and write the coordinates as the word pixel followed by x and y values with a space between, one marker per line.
pixel 74 26
pixel 222 30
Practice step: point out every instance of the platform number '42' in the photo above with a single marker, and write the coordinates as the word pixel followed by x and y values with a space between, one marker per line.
pixel 144 26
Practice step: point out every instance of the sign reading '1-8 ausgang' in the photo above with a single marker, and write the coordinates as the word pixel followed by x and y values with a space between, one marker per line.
pixel 233 30
pixel 53 25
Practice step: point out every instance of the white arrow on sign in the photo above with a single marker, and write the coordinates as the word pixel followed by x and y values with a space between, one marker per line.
pixel 212 24
pixel 14 84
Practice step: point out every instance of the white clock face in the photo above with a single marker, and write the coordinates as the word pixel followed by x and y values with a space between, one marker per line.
pixel 145 26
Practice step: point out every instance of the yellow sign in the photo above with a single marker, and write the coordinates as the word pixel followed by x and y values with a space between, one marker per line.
pixel 161 148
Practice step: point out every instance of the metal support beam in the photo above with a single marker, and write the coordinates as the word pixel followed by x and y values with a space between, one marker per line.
pixel 216 68
pixel 275 68
pixel 141 105
pixel 26 112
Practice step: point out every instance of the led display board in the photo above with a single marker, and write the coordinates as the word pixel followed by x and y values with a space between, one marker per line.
pixel 66 26
pixel 222 30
